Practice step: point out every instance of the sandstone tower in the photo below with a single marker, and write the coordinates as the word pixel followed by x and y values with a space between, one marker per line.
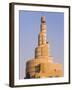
pixel 42 65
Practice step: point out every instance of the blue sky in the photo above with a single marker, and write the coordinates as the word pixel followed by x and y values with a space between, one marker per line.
pixel 29 28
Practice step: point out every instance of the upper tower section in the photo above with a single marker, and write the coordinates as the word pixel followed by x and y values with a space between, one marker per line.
pixel 42 51
pixel 42 34
pixel 43 24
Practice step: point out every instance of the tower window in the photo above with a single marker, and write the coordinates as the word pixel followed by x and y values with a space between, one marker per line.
pixel 37 68
pixel 56 76
pixel 50 76
pixel 43 21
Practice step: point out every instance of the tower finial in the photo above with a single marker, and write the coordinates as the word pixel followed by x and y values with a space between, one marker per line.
pixel 43 19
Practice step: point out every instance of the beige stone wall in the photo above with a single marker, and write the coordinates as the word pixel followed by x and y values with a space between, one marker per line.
pixel 47 69
pixel 41 51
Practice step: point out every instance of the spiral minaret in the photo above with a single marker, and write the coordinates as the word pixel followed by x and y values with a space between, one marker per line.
pixel 42 65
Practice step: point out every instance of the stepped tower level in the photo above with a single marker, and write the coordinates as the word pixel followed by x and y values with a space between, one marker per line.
pixel 42 49
pixel 42 65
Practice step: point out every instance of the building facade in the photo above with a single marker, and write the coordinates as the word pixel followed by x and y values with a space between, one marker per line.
pixel 42 65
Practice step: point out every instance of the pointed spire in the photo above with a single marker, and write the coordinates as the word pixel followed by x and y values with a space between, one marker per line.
pixel 43 24
pixel 42 34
